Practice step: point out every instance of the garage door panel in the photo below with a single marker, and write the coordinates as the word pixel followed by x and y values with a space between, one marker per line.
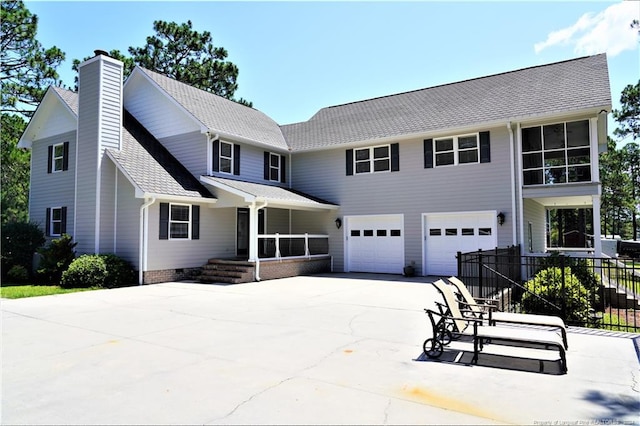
pixel 375 244
pixel 447 234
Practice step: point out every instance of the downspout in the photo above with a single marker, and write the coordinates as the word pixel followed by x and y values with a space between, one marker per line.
pixel 513 185
pixel 518 177
pixel 143 246
pixel 257 241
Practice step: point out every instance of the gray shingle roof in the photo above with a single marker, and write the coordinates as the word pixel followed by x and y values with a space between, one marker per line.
pixel 274 194
pixel 559 87
pixel 151 167
pixel 221 115
pixel 69 97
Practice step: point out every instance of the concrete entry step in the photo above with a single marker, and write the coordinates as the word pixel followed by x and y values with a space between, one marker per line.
pixel 227 271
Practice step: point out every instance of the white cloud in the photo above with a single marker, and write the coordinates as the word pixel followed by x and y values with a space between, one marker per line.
pixel 608 31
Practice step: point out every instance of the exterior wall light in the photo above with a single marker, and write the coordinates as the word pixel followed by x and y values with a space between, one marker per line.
pixel 500 218
pixel 338 223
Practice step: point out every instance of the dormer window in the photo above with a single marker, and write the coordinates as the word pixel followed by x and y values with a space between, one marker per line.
pixel 556 153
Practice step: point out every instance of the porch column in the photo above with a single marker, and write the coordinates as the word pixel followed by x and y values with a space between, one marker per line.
pixel 253 232
pixel 597 237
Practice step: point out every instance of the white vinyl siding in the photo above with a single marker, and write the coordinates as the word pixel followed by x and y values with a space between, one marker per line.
pixel 51 189
pixel 412 192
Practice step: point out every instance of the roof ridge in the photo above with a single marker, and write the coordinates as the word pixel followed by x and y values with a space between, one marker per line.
pixel 455 82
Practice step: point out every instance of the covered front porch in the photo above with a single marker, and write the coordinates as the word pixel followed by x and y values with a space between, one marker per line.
pixel 279 232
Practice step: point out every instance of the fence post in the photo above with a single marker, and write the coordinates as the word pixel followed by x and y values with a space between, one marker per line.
pixel 480 268
pixel 306 244
pixel 459 259
pixel 277 245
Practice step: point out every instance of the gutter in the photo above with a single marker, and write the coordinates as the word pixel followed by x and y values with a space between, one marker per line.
pixel 143 245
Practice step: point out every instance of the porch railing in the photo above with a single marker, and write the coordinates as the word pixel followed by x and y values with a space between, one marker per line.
pixel 586 291
pixel 278 246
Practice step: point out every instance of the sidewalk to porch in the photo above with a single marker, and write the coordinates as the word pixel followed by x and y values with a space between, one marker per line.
pixel 321 349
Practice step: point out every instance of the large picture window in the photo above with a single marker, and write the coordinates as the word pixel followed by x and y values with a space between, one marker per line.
pixel 556 153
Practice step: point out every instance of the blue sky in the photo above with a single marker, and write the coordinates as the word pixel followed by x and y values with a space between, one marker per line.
pixel 297 57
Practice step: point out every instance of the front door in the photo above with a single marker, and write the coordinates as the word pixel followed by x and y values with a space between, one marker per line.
pixel 242 242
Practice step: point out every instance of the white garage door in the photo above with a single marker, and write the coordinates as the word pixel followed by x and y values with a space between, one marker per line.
pixel 375 244
pixel 447 234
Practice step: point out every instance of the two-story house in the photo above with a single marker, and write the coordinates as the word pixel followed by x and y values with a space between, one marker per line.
pixel 169 176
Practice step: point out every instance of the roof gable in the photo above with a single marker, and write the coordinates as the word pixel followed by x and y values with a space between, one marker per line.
pixel 222 116
pixel 539 91
pixel 57 113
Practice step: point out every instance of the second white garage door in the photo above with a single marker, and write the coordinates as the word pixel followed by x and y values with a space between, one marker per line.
pixel 375 243
pixel 449 233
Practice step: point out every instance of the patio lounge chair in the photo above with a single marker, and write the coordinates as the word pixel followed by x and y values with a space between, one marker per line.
pixel 451 323
pixel 496 316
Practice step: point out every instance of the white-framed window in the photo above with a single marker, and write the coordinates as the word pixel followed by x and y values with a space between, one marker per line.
pixel 274 167
pixel 57 159
pixel 455 150
pixel 179 221
pixel 56 218
pixel 372 159
pixel 556 153
pixel 226 157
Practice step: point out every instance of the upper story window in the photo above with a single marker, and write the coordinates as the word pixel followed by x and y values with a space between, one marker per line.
pixel 457 150
pixel 374 159
pixel 381 158
pixel 226 157
pixel 453 150
pixel 556 153
pixel 179 221
pixel 58 158
pixel 274 167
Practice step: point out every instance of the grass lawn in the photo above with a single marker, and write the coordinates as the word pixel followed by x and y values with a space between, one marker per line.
pixel 10 291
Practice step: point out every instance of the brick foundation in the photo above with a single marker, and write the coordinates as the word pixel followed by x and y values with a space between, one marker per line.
pixel 166 275
pixel 293 267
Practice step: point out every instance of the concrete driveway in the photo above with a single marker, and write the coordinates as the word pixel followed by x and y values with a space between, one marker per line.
pixel 327 349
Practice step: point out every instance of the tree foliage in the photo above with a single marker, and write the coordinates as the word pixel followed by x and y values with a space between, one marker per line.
pixel 179 52
pixel 628 116
pixel 27 68
pixel 14 171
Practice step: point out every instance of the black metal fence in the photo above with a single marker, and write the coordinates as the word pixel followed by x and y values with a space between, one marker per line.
pixel 584 291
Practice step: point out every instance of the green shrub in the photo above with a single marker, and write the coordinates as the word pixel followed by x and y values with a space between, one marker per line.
pixel 98 270
pixel 20 240
pixel 547 284
pixel 120 273
pixel 18 274
pixel 88 270
pixel 583 270
pixel 56 258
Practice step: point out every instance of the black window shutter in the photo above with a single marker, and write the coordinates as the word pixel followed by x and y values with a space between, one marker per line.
pixel 395 157
pixel 349 162
pixel 283 169
pixel 50 159
pixel 63 221
pixel 236 159
pixel 216 155
pixel 65 158
pixel 47 226
pixel 428 153
pixel 195 222
pixel 266 165
pixel 485 148
pixel 164 221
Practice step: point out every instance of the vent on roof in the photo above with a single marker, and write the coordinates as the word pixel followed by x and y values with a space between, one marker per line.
pixel 99 52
